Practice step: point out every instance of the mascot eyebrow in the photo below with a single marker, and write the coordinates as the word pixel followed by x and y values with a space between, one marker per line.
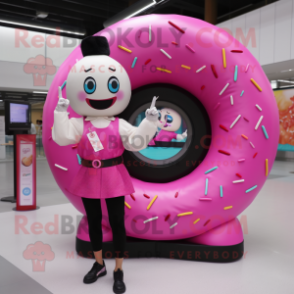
pixel 112 68
pixel 86 70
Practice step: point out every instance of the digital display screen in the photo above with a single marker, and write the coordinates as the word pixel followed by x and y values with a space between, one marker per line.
pixel 19 113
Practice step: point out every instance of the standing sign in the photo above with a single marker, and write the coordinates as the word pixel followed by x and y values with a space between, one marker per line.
pixel 2 138
pixel 25 172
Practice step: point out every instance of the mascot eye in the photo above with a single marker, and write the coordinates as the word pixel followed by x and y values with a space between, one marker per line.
pixel 90 85
pixel 113 84
pixel 159 116
pixel 169 118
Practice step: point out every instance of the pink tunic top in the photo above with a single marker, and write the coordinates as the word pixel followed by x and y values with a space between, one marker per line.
pixel 103 182
pixel 164 136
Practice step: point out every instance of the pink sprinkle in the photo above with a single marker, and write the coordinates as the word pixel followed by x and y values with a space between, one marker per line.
pixel 245 118
pixel 82 96
pixel 190 48
pixel 247 67
pixel 216 106
pixel 205 199
pixel 241 160
pixel 120 95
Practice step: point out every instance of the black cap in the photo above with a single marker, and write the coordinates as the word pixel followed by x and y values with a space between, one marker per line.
pixel 95 45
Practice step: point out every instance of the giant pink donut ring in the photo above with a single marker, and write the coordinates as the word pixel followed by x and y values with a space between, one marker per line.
pixel 206 40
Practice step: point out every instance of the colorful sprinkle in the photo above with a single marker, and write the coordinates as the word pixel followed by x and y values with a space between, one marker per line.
pixel 237 51
pixel 221 191
pixel 254 187
pixel 228 207
pixel 150 33
pixel 238 181
pixel 224 128
pixel 200 69
pixel 238 175
pixel 241 160
pixel 165 53
pixel 196 221
pixel 176 27
pixel 205 199
pixel 152 201
pixel 79 159
pixel 133 197
pixel 255 84
pixel 245 137
pixel 124 48
pixel 252 145
pixel 173 225
pixel 185 213
pixel 206 186
pixel 163 69
pixel 235 121
pixel 212 169
pixel 145 195
pixel 134 62
pixel 232 100
pixel 63 85
pixel 254 155
pixel 265 132
pixel 236 73
pixel 147 61
pixel 214 71
pixel 202 87
pixel 167 217
pixel 175 43
pixel 242 93
pixel 224 58
pixel 247 67
pixel 150 219
pixel 177 194
pixel 258 107
pixel 74 146
pixel 127 205
pixel 185 66
pixel 134 220
pixel 258 123
pixel 224 152
pixel 190 48
pixel 246 119
pixel 61 167
pixel 224 88
pixel 266 167
pixel 216 106
pixel 206 222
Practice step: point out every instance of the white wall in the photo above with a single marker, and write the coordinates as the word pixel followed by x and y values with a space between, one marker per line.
pixel 268 32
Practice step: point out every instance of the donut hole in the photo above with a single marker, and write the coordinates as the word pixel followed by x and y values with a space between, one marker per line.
pixel 166 160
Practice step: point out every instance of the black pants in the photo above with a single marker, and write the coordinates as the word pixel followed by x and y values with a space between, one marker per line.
pixel 116 213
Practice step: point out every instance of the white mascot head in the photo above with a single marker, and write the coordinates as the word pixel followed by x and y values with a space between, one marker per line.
pixel 169 120
pixel 98 85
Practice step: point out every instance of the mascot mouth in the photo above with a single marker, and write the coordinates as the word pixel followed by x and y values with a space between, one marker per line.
pixel 101 104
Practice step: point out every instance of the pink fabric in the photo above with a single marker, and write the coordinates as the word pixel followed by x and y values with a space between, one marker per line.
pixel 164 136
pixel 104 182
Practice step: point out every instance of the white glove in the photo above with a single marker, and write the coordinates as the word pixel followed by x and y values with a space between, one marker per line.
pixel 184 135
pixel 152 114
pixel 62 104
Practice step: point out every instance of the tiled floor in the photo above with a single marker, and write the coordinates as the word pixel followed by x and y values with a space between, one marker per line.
pixel 266 268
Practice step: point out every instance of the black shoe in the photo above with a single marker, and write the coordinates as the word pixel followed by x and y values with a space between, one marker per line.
pixel 96 271
pixel 118 285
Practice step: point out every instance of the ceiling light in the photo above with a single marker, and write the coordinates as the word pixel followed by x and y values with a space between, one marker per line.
pixel 39 92
pixel 40 27
pixel 41 14
pixel 285 81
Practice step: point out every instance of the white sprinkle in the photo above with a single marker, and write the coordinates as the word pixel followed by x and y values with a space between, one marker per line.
pixel 258 107
pixel 173 225
pixel 252 145
pixel 166 54
pixel 150 219
pixel 234 122
pixel 200 69
pixel 61 167
pixel 232 100
pixel 150 33
pixel 258 123
pixel 225 87
pixel 247 67
pixel 238 181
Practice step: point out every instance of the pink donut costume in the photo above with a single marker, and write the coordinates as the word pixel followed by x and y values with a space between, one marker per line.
pixel 202 207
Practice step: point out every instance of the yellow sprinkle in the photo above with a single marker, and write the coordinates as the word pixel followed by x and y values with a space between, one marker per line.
pixel 127 205
pixel 185 213
pixel 266 167
pixel 224 58
pixel 152 201
pixel 163 69
pixel 185 66
pixel 196 221
pixel 245 137
pixel 256 85
pixel 124 48
pixel 51 128
pixel 228 207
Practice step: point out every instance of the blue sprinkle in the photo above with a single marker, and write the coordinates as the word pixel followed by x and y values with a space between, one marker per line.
pixel 242 93
pixel 63 85
pixel 264 131
pixel 134 62
pixel 221 191
pixel 251 189
pixel 206 186
pixel 210 170
pixel 79 159
pixel 236 73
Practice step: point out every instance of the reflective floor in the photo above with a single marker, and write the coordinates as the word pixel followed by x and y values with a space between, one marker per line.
pixel 267 265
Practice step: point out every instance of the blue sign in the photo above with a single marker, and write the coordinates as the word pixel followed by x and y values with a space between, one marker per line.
pixel 26 191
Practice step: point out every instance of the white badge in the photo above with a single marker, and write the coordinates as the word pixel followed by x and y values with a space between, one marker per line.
pixel 95 141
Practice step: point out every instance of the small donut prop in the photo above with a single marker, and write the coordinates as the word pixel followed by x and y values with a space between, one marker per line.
pixel 224 76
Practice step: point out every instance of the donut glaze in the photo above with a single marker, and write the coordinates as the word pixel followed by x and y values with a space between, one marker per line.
pixel 240 152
